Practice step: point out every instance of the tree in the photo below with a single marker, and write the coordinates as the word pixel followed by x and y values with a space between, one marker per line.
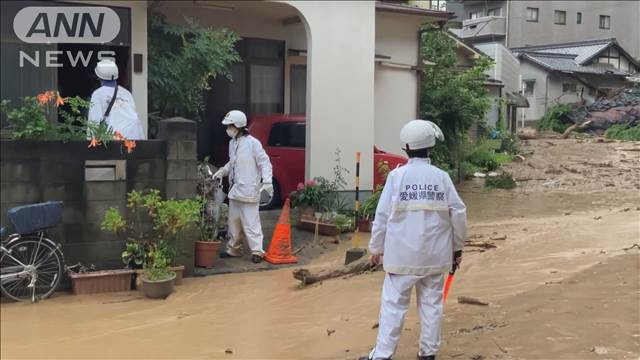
pixel 452 98
pixel 182 62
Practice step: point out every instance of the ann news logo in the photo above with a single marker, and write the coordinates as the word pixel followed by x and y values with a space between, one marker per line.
pixel 65 24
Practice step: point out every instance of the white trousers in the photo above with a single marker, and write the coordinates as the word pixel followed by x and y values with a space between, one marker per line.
pixel 396 293
pixel 244 219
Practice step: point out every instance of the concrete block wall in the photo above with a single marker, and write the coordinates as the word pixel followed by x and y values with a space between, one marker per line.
pixel 38 171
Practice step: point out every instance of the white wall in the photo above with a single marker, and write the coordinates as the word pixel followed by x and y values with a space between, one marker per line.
pixel 340 85
pixel 507 66
pixel 536 102
pixel 396 90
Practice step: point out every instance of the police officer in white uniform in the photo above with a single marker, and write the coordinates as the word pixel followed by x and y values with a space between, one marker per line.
pixel 419 227
pixel 250 173
pixel 122 117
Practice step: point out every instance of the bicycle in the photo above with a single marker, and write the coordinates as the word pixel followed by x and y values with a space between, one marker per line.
pixel 31 264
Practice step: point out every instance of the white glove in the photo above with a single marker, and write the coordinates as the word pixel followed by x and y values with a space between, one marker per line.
pixel 218 175
pixel 268 187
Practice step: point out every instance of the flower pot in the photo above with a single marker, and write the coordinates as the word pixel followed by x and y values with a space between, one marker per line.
pixel 158 289
pixel 206 253
pixel 179 270
pixel 305 213
pixel 101 281
pixel 364 225
pixel 323 228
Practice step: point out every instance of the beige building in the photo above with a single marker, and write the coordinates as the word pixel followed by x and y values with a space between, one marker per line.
pixel 350 66
pixel 523 23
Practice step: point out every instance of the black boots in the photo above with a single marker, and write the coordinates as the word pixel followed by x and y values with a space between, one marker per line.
pixel 256 259
pixel 426 357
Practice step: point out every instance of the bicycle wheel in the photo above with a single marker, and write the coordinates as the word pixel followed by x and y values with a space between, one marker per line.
pixel 40 275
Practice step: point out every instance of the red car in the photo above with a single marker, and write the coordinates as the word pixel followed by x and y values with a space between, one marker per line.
pixel 283 138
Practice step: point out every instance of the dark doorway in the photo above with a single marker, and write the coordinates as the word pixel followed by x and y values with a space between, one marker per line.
pixel 257 87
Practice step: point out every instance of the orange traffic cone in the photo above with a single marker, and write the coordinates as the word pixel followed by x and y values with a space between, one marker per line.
pixel 280 248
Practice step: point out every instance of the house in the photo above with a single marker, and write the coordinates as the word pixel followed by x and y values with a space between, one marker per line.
pixel 503 82
pixel 350 66
pixel 571 72
pixel 523 23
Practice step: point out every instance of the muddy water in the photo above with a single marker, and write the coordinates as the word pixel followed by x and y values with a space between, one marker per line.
pixel 266 316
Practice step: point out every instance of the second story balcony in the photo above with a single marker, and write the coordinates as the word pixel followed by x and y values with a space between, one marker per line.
pixel 483 27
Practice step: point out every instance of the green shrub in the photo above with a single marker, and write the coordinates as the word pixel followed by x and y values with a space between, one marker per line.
pixel 557 118
pixel 502 181
pixel 623 132
pixel 484 156
pixel 510 143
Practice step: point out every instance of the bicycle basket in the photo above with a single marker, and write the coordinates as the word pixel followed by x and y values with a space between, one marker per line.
pixel 32 218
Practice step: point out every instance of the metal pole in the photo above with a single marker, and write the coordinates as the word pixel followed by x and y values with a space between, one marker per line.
pixel 356 238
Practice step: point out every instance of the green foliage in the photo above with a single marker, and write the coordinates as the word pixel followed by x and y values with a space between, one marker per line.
pixel 182 61
pixel 321 194
pixel 510 144
pixel 557 118
pixel 502 181
pixel 152 224
pixel 484 156
pixel 30 121
pixel 623 132
pixel 453 99
pixel 134 254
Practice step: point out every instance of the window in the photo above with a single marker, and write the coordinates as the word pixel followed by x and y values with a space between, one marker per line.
pixel 579 18
pixel 532 14
pixel 605 22
pixel 527 87
pixel 569 87
pixel 438 5
pixel 494 12
pixel 474 14
pixel 288 135
pixel 560 17
pixel 298 92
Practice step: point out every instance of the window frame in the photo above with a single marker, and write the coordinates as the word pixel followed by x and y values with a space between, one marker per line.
pixel 537 12
pixel 288 125
pixel 601 22
pixel 579 18
pixel 499 10
pixel 478 14
pixel 556 13
pixel 524 87
pixel 569 87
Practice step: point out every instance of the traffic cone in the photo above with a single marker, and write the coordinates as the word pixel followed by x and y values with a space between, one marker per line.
pixel 280 248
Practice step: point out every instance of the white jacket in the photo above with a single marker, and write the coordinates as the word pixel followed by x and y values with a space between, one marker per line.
pixel 123 117
pixel 420 220
pixel 248 165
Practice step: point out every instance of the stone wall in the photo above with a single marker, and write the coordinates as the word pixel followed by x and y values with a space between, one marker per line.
pixel 38 171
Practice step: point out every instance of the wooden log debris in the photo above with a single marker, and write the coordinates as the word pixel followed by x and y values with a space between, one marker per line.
pixel 307 277
pixel 575 127
pixel 471 301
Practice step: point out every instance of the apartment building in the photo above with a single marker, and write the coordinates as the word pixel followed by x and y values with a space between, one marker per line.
pixel 525 23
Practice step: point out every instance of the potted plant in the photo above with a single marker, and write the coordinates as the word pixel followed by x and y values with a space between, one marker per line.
pixel 153 228
pixel 213 217
pixel 307 199
pixel 86 280
pixel 158 279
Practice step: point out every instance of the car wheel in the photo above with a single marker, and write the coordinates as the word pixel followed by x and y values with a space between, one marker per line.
pixel 275 200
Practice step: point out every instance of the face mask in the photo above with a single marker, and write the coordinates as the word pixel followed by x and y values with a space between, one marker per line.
pixel 232 132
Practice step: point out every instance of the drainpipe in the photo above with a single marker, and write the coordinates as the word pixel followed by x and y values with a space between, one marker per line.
pixel 546 93
pixel 506 40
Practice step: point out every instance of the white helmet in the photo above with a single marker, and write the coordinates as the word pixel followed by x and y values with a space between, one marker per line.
pixel 420 134
pixel 236 118
pixel 107 69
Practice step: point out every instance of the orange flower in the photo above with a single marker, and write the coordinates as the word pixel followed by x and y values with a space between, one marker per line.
pixel 59 100
pixel 43 98
pixel 94 143
pixel 130 145
pixel 117 135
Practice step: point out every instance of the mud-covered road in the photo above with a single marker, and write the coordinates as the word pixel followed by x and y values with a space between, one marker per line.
pixel 559 283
